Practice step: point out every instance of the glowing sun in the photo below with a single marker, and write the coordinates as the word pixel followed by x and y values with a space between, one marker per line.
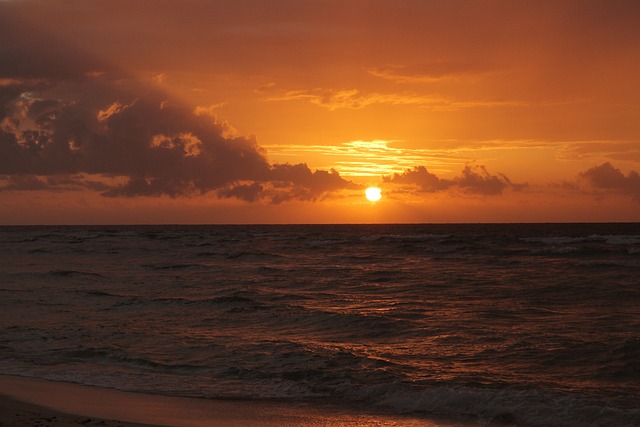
pixel 373 194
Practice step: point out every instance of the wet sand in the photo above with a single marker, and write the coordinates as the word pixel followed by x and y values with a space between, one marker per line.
pixel 15 413
pixel 35 402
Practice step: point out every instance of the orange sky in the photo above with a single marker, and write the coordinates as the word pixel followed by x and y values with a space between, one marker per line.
pixel 252 111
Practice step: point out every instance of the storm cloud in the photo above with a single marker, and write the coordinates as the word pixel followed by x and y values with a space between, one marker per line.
pixel 68 121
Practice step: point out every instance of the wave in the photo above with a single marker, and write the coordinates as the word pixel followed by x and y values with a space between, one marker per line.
pixel 250 255
pixel 608 239
pixel 611 264
pixel 327 242
pixel 563 250
pixel 15 290
pixel 173 266
pixel 349 326
pixel 234 303
pixel 534 408
pixel 116 356
pixel 523 324
pixel 67 273
pixel 39 251
pixel 408 237
pixel 624 362
pixel 99 293
pixel 303 371
pixel 229 303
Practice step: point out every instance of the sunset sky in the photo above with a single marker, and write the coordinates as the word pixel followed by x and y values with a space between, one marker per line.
pixel 284 111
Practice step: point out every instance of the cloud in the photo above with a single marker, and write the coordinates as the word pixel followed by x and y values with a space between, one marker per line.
pixel 69 121
pixel 51 183
pixel 420 176
pixel 73 117
pixel 607 177
pixel 473 180
pixel 427 72
pixel 346 98
pixel 355 99
pixel 309 185
pixel 625 150
pixel 251 192
pixel 289 182
pixel 158 147
pixel 478 180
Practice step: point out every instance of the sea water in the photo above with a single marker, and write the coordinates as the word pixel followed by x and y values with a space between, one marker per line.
pixel 526 324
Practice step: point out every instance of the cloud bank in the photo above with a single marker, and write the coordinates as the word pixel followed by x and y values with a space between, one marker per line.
pixel 146 145
pixel 608 178
pixel 472 180
pixel 69 122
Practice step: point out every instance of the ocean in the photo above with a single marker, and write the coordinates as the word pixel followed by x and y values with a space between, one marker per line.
pixel 497 324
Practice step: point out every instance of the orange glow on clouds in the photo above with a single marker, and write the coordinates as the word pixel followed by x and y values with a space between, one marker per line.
pixel 278 111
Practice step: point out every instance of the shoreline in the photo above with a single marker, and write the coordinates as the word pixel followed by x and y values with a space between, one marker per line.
pixel 26 401
pixel 18 413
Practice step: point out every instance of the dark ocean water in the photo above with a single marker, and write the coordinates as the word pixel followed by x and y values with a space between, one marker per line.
pixel 533 325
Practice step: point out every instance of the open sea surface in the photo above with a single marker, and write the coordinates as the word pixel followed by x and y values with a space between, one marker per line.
pixel 525 324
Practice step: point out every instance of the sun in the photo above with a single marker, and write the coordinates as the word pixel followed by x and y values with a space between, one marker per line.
pixel 373 194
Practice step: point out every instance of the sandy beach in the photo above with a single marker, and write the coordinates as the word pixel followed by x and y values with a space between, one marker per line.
pixel 36 402
pixel 15 413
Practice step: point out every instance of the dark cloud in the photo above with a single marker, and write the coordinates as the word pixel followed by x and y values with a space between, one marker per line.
pixel 22 182
pixel 607 177
pixel 421 177
pixel 29 54
pixel 478 180
pixel 51 183
pixel 299 182
pixel 247 192
pixel 473 180
pixel 65 114
pixel 289 182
